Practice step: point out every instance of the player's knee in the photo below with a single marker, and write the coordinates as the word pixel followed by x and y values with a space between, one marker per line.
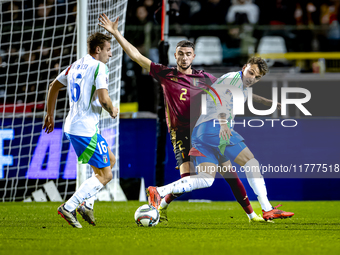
pixel 252 162
pixel 252 169
pixel 244 157
pixel 107 176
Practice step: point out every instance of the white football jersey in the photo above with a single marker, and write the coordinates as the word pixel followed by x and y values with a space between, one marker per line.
pixel 82 79
pixel 213 104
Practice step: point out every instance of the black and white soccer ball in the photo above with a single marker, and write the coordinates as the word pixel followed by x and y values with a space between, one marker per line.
pixel 147 216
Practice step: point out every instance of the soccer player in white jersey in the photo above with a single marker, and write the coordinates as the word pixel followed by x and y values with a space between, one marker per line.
pixel 214 142
pixel 87 85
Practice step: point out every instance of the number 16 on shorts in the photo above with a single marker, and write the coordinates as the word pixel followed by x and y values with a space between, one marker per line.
pixel 102 147
pixel 102 152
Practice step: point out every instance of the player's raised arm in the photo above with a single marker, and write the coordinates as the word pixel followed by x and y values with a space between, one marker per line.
pixel 265 101
pixel 52 96
pixel 132 52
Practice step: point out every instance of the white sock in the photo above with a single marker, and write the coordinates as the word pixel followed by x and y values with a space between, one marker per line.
pixel 187 184
pixel 252 215
pixel 89 188
pixel 264 202
pixel 90 201
pixel 164 204
pixel 256 182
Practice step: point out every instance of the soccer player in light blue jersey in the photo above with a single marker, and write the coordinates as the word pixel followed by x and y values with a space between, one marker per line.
pixel 87 85
pixel 214 142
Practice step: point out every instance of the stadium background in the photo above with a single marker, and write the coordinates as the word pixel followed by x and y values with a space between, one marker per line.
pixel 302 39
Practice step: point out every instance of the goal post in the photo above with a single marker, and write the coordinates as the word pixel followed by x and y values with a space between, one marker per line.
pixel 88 24
pixel 82 34
pixel 37 42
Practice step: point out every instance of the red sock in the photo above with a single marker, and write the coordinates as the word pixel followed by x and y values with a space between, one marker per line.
pixel 248 209
pixel 239 191
pixel 185 175
pixel 170 197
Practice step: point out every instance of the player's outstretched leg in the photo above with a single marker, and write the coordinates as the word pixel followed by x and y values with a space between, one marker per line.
pixel 163 207
pixel 276 214
pixel 70 217
pixel 86 213
pixel 158 202
pixel 184 185
pixel 257 183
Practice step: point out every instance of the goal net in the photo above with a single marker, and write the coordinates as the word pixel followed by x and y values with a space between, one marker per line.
pixel 38 39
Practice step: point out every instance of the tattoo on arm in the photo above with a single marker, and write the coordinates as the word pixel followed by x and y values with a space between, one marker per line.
pixel 107 107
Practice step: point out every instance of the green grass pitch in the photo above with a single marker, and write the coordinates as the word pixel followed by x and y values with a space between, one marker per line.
pixel 194 228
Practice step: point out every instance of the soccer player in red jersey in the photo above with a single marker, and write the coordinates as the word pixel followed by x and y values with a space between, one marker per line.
pixel 182 86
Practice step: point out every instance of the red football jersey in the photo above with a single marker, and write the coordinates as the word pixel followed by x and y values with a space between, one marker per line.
pixel 182 94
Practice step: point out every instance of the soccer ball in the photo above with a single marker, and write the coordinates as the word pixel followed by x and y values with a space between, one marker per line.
pixel 147 216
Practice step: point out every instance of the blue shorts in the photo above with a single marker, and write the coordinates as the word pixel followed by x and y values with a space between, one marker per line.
pixel 205 138
pixel 91 150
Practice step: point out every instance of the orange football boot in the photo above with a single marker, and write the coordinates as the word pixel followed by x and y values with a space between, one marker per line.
pixel 153 196
pixel 275 214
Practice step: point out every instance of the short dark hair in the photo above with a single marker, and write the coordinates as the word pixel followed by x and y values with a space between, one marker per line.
pixel 186 43
pixel 260 62
pixel 97 39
